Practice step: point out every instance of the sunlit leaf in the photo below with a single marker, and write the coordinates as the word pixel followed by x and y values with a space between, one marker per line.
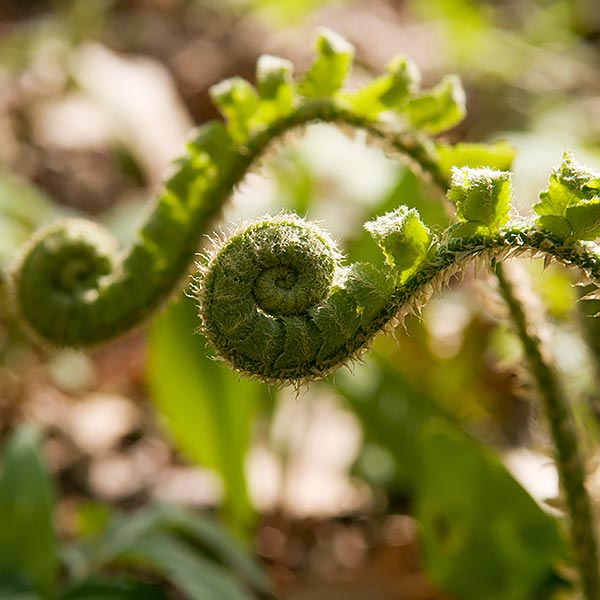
pixel 331 65
pixel 570 204
pixel 585 219
pixel 499 155
pixel 438 109
pixel 276 88
pixel 402 236
pixel 569 184
pixel 481 195
pixel 559 226
pixel 237 100
pixel 390 91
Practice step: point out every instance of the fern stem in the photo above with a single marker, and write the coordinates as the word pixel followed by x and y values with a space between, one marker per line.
pixel 566 444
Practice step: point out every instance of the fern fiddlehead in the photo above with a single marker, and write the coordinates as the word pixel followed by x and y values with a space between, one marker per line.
pixel 74 288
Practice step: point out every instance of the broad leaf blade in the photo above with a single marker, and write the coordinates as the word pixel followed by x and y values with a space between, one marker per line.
pixel 207 409
pixel 585 220
pixel 559 226
pixel 27 540
pixel 483 535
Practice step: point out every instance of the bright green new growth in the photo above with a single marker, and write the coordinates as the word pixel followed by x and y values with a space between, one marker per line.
pixel 482 196
pixel 388 92
pixel 331 66
pixel 570 207
pixel 438 109
pixel 402 237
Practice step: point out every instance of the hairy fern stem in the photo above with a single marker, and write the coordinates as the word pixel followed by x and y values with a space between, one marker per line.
pixel 562 426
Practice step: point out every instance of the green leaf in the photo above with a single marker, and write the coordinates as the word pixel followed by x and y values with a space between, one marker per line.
pixel 402 236
pixel 585 219
pixel 92 554
pixel 208 410
pixel 193 574
pixel 483 536
pixel 127 532
pixel 27 541
pixel 462 229
pixel 390 91
pixel 276 88
pixel 438 109
pixel 237 100
pixel 499 155
pixel 481 195
pixel 559 226
pixel 208 532
pixel 13 586
pixel 330 67
pixel 569 184
pixel 570 205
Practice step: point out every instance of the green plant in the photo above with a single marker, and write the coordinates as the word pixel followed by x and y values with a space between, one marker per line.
pixel 124 556
pixel 91 293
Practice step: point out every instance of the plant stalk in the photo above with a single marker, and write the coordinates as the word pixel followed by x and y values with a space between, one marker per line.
pixel 568 457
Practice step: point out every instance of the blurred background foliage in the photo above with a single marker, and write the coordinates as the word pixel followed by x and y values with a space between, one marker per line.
pixel 143 469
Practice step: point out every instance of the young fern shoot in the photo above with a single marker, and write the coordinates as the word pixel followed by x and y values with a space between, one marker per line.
pixel 278 303
pixel 91 292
